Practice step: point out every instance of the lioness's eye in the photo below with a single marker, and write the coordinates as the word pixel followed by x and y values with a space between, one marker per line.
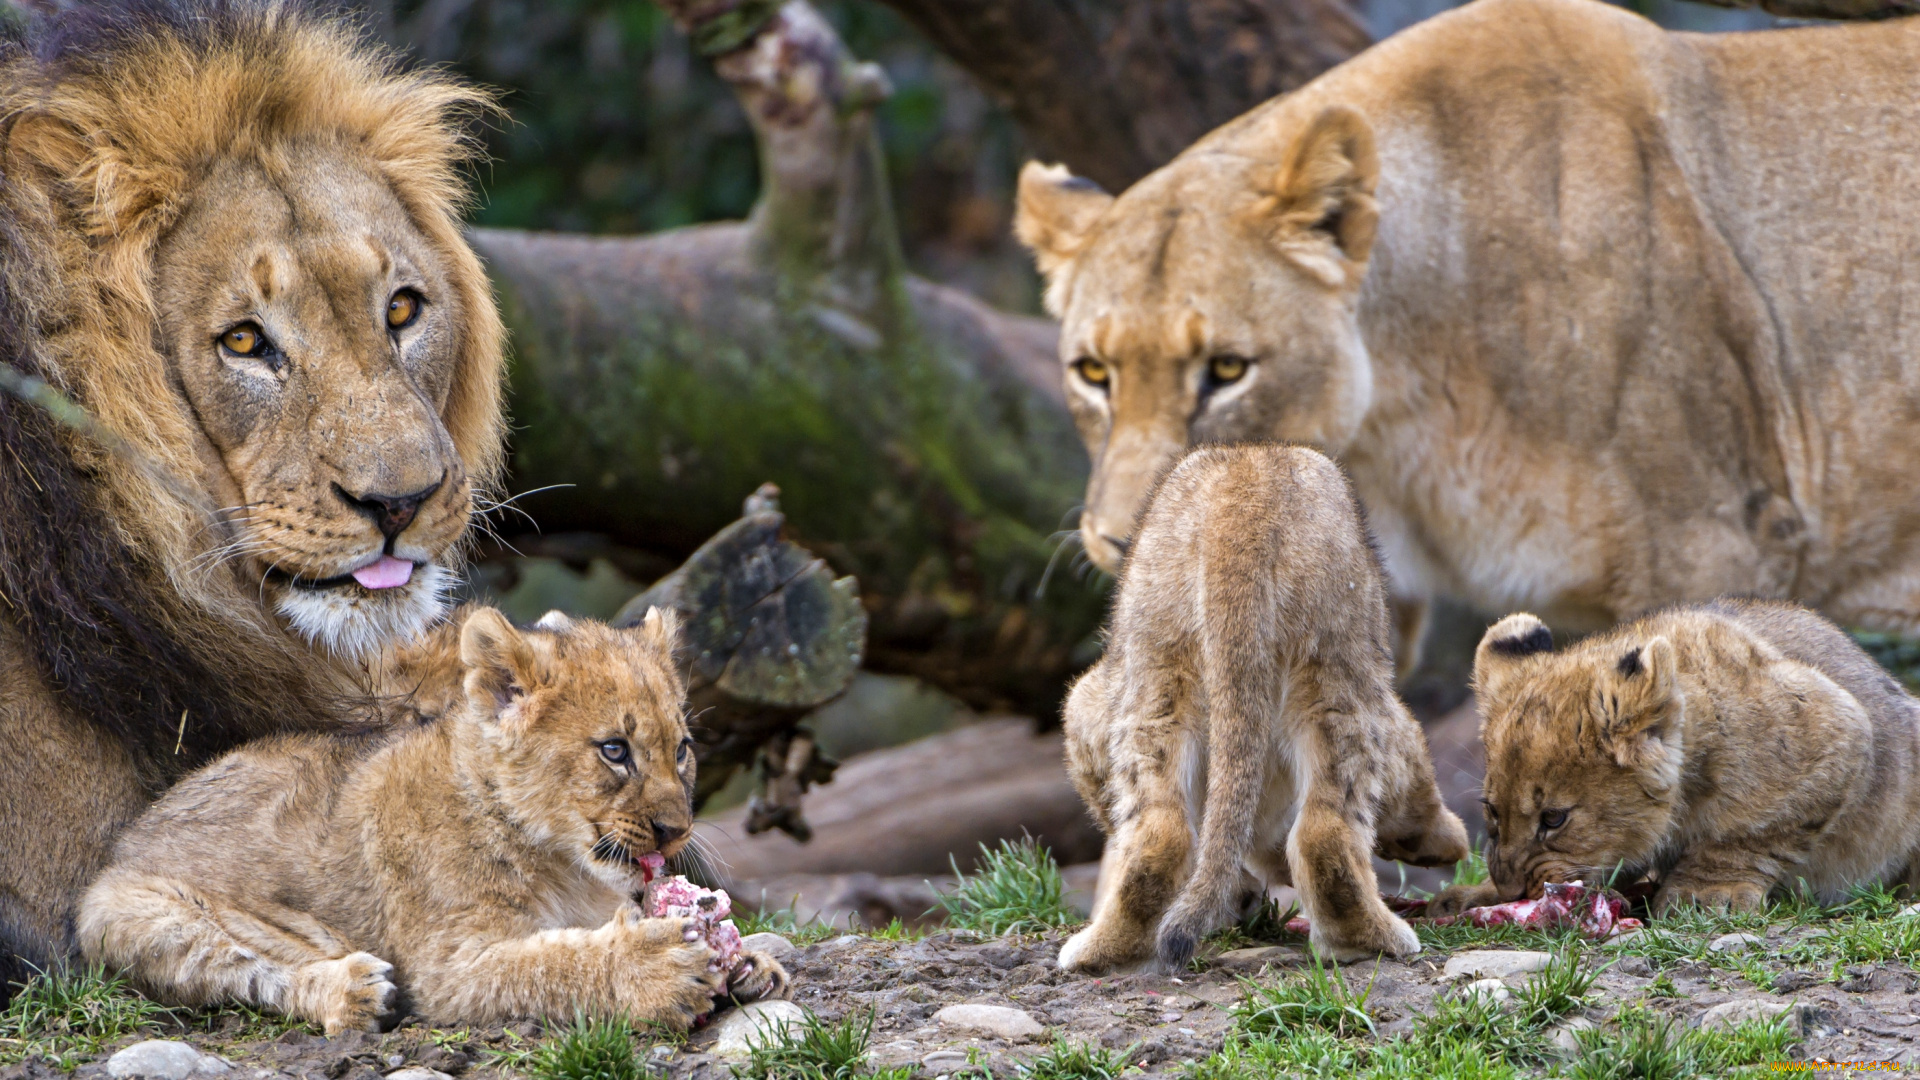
pixel 615 751
pixel 1226 369
pixel 1093 371
pixel 1552 819
pixel 244 340
pixel 402 308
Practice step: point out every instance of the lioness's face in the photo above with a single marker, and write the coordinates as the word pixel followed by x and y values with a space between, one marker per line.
pixel 594 754
pixel 1582 758
pixel 1214 301
pixel 314 330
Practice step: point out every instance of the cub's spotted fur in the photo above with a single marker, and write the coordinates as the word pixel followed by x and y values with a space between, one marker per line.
pixel 482 864
pixel 1734 749
pixel 1247 696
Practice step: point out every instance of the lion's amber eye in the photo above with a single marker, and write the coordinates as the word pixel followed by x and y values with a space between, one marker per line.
pixel 1226 369
pixel 615 751
pixel 1095 372
pixel 244 340
pixel 402 308
pixel 1552 819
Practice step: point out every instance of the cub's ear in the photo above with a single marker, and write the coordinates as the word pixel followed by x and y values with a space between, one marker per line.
pixel 1055 213
pixel 1640 707
pixel 1321 212
pixel 660 630
pixel 1511 639
pixel 555 620
pixel 500 663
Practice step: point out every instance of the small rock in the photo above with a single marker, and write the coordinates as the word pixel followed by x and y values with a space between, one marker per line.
pixel 1169 1017
pixel 1908 911
pixel 844 941
pixel 992 1021
pixel 1494 963
pixel 1736 943
pixel 772 944
pixel 1738 1012
pixel 1493 990
pixel 1789 981
pixel 164 1059
pixel 759 1024
pixel 418 1073
pixel 1277 955
pixel 1566 1037
pixel 1637 966
pixel 1626 940
pixel 941 1062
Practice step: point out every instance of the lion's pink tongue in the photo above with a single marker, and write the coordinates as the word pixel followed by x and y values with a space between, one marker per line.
pixel 384 574
pixel 651 864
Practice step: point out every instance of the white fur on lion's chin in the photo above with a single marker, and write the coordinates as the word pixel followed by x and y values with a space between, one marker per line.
pixel 355 625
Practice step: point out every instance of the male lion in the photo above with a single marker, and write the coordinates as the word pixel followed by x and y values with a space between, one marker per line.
pixel 1598 317
pixel 484 864
pixel 1246 699
pixel 230 233
pixel 1735 749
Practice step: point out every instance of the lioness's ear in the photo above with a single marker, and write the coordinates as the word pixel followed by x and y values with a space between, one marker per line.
pixel 1055 213
pixel 1505 642
pixel 1322 212
pixel 1640 707
pixel 499 662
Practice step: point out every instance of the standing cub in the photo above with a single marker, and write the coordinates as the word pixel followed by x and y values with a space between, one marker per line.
pixel 482 863
pixel 1734 749
pixel 1247 696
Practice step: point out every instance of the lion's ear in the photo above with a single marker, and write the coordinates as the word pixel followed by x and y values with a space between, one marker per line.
pixel 1056 213
pixel 1511 639
pixel 1640 708
pixel 660 630
pixel 500 663
pixel 1321 212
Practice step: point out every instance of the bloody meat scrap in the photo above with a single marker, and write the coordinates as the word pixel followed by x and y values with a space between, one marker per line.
pixel 1598 913
pixel 678 898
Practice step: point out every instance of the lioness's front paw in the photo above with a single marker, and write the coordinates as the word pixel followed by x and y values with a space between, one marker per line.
pixel 758 976
pixel 1455 899
pixel 353 993
pixel 1715 896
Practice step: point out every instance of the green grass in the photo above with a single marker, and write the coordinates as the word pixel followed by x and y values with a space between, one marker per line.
pixel 1645 1045
pixel 1076 1061
pixel 590 1048
pixel 784 923
pixel 1016 889
pixel 68 1016
pixel 818 1050
pixel 1317 997
pixel 1471 870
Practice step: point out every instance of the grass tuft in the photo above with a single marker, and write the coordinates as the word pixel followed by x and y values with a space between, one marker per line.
pixel 1076 1061
pixel 1563 986
pixel 588 1049
pixel 1016 890
pixel 1646 1045
pixel 1471 870
pixel 1316 998
pixel 818 1050
pixel 67 1016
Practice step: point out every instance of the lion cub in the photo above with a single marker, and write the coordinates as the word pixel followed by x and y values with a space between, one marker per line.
pixel 482 863
pixel 1734 749
pixel 1247 696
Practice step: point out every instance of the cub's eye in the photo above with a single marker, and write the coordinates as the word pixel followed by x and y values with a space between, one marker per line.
pixel 686 748
pixel 1552 819
pixel 245 340
pixel 616 751
pixel 403 308
pixel 1226 369
pixel 1093 371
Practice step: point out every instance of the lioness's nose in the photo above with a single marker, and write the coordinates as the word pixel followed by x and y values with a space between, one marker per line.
pixel 391 514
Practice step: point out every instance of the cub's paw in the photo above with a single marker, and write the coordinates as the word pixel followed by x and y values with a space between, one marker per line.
pixel 1099 949
pixel 685 988
pixel 1715 896
pixel 1386 934
pixel 756 977
pixel 1455 899
pixel 353 993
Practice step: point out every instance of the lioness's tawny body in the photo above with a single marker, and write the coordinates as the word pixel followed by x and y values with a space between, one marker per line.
pixel 1246 698
pixel 1736 749
pixel 1598 317
pixel 482 863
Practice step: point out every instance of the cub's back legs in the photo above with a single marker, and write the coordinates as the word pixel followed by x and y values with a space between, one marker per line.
pixel 190 948
pixel 1330 850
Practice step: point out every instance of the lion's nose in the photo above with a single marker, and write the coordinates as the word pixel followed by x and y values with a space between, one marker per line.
pixel 390 513
pixel 666 834
pixel 1118 544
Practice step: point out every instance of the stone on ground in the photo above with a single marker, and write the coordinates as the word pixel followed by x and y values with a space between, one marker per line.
pixel 991 1021
pixel 942 1062
pixel 1736 943
pixel 759 1024
pixel 1495 963
pixel 1256 958
pixel 164 1059
pixel 418 1073
pixel 1734 1013
pixel 1493 990
pixel 772 944
pixel 1566 1038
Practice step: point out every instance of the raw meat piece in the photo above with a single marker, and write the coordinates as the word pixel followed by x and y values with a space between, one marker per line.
pixel 677 898
pixel 1598 913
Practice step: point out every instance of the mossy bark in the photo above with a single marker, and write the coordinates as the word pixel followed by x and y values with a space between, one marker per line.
pixel 918 438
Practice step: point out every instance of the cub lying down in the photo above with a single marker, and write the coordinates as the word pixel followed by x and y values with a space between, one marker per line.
pixel 1733 749
pixel 483 863
pixel 1247 696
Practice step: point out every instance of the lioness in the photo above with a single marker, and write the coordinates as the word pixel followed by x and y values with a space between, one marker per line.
pixel 232 233
pixel 1734 749
pixel 1598 317
pixel 482 863
pixel 1246 696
